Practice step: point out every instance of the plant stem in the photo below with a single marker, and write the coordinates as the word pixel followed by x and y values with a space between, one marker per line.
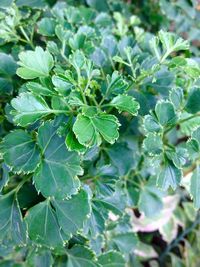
pixel 181 121
pixel 180 238
pixel 26 37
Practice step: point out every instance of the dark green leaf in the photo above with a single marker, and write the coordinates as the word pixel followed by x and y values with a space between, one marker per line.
pixel 21 152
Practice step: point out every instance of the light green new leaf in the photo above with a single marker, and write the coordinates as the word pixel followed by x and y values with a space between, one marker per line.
pixel 57 173
pixel 195 187
pixel 12 227
pixel 35 64
pixel 165 113
pixel 81 256
pixel 104 125
pixel 111 259
pixel 29 108
pixel 43 227
pixel 169 176
pixel 171 42
pixel 125 103
pixel 20 151
pixel 73 212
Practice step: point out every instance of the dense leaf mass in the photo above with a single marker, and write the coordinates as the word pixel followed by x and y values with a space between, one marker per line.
pixel 99 133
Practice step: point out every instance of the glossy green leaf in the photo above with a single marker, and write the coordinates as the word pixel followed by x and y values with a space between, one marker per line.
pixel 102 125
pixel 57 173
pixel 34 64
pixel 43 227
pixel 8 66
pixel 153 144
pixel 111 259
pixel 170 176
pixel 150 201
pixel 46 26
pixel 125 103
pixel 72 213
pixel 125 242
pixel 21 152
pixel 12 227
pixel 150 124
pixel 38 89
pixel 81 256
pixel 29 108
pixel 192 105
pixel 165 113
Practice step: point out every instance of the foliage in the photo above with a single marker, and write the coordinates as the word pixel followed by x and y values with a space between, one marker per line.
pixel 100 133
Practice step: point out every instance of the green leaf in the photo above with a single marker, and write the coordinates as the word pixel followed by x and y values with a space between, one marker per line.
pixel 150 124
pixel 153 144
pixel 115 152
pixel 150 201
pixel 40 258
pixel 195 187
pixel 20 151
pixel 125 103
pixel 8 66
pixel 104 125
pixel 193 145
pixel 117 85
pixel 39 89
pixel 62 84
pixel 4 171
pixel 29 108
pixel 176 97
pixel 72 143
pixel 81 256
pixel 169 176
pixel 111 259
pixel 42 225
pixel 171 42
pixel 6 87
pixel 165 113
pixel 35 64
pixel 57 173
pixel 46 26
pixel 192 104
pixel 72 213
pixel 12 227
pixel 125 242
